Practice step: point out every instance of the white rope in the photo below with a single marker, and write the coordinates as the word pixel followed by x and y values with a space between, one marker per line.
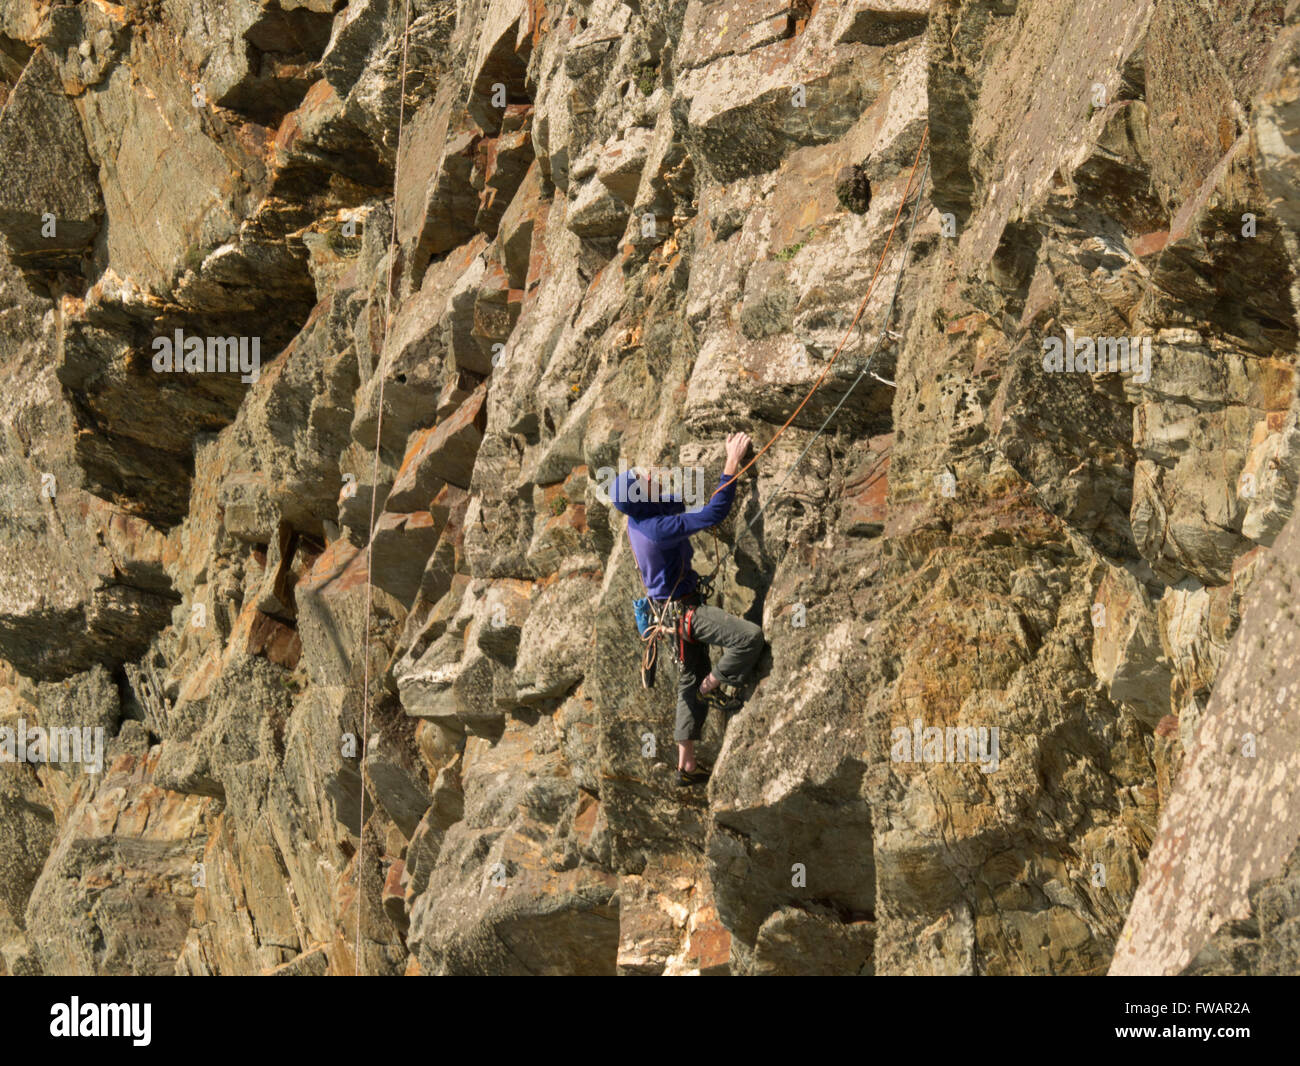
pixel 374 482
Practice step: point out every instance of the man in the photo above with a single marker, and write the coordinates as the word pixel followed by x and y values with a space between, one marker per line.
pixel 660 533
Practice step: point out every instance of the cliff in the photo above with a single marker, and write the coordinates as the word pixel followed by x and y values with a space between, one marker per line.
pixel 353 615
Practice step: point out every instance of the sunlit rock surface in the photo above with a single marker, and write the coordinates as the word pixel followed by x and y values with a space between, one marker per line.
pixel 355 624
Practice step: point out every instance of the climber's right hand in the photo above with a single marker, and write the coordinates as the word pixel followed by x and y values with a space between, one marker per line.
pixel 737 446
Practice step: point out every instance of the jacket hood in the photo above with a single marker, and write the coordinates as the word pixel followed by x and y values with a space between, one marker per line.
pixel 631 496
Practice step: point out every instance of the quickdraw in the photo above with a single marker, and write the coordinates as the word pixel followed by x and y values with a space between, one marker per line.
pixel 704 587
pixel 671 620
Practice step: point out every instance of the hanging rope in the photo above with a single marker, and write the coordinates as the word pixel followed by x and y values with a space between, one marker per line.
pixel 374 481
pixel 866 369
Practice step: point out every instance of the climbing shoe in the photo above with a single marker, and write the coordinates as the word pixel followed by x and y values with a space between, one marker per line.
pixel 698 776
pixel 724 698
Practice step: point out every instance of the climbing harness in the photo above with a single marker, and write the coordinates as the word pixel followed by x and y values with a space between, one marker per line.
pixel 670 620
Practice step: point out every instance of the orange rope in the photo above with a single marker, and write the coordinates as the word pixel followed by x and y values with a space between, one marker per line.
pixel 852 326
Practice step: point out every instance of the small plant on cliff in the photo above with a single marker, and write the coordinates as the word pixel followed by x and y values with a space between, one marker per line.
pixel 647 78
pixel 144 11
pixel 789 253
pixel 558 505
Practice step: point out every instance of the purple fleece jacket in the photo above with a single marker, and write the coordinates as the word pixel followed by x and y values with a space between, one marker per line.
pixel 660 533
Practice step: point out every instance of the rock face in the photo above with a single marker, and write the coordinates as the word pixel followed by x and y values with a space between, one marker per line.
pixel 1233 859
pixel 325 327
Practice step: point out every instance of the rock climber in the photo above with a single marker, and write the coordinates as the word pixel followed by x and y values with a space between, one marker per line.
pixel 659 530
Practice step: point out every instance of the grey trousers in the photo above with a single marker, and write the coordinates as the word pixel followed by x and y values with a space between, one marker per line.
pixel 741 643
